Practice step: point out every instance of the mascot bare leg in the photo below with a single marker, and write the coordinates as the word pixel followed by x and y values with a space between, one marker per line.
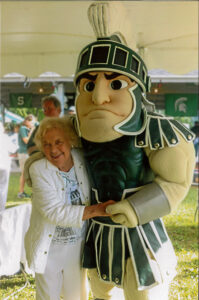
pixel 102 290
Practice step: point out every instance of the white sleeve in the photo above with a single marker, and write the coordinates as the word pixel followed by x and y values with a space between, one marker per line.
pixel 49 201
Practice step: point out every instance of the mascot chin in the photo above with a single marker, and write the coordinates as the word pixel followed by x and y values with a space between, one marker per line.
pixel 142 160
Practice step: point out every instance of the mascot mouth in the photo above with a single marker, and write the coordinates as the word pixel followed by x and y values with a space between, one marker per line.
pixel 101 113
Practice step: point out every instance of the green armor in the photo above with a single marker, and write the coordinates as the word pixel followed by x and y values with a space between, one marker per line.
pixel 115 166
pixel 117 169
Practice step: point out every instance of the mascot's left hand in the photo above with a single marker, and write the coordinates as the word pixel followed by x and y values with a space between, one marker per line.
pixel 122 212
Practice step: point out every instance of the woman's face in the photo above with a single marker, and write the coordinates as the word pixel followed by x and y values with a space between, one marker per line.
pixel 57 149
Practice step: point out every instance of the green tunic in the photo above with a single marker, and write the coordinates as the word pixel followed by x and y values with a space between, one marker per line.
pixel 117 169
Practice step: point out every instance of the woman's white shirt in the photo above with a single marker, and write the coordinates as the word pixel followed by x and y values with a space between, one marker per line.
pixel 50 208
pixel 70 235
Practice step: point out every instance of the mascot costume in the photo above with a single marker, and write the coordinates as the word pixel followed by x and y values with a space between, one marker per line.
pixel 142 160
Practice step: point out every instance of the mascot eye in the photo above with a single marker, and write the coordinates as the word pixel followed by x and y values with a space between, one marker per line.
pixel 118 84
pixel 89 86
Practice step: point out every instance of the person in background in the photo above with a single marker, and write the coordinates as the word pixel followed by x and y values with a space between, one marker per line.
pixel 14 139
pixel 195 129
pixel 5 161
pixel 24 134
pixel 60 208
pixel 51 108
pixel 71 110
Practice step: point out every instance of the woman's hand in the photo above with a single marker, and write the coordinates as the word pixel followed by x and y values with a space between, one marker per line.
pixel 97 210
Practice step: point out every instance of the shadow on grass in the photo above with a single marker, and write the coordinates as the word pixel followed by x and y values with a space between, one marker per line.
pixel 183 237
pixel 14 281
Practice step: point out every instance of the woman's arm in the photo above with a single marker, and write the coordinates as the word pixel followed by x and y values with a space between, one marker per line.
pixel 48 199
pixel 96 210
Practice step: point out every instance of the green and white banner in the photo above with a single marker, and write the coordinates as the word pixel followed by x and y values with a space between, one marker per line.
pixel 20 100
pixel 181 105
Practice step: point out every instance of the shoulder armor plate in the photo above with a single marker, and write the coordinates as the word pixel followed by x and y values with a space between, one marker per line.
pixel 161 131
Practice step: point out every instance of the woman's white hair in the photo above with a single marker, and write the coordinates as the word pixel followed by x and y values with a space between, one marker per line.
pixel 64 123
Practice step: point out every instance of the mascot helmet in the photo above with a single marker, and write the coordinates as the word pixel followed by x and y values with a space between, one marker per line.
pixel 110 54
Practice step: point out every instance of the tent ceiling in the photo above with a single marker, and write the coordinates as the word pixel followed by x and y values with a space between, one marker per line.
pixel 41 36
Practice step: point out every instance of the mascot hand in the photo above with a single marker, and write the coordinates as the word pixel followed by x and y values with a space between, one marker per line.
pixel 34 157
pixel 122 212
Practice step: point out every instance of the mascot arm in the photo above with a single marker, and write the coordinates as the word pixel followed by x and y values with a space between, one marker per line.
pixel 173 168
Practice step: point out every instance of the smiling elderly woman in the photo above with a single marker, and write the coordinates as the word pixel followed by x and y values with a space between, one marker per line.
pixel 59 212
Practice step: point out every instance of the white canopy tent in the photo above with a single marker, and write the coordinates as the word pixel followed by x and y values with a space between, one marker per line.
pixel 46 36
pixel 11 117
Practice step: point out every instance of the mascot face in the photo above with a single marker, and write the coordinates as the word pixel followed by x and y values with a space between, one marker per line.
pixel 103 101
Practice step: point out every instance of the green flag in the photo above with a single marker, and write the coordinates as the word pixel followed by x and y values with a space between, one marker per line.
pixel 181 105
pixel 20 100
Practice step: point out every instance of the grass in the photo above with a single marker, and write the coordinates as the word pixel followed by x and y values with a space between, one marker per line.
pixel 13 190
pixel 182 229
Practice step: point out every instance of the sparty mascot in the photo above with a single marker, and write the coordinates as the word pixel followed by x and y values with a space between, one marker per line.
pixel 142 160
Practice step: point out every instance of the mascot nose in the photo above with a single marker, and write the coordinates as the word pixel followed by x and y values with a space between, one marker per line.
pixel 100 94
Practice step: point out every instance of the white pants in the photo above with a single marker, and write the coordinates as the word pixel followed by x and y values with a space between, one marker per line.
pixel 63 274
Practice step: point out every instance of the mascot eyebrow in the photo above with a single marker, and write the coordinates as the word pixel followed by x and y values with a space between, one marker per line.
pixel 113 75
